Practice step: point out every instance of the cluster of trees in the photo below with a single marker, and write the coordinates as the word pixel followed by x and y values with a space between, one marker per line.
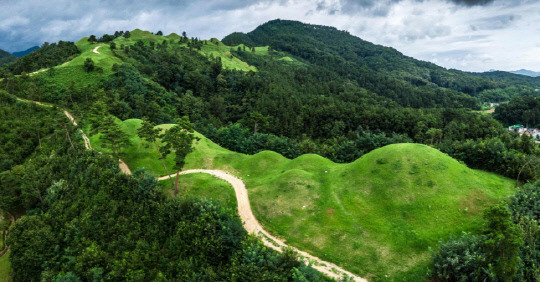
pixel 48 55
pixel 6 57
pixel 507 249
pixel 109 37
pixel 23 127
pixel 343 149
pixel 508 154
pixel 506 94
pixel 520 110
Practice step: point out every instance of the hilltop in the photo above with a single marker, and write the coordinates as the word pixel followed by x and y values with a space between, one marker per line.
pixel 527 72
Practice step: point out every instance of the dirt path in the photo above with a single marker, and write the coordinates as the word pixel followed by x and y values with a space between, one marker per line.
pixel 253 226
pixel 96 50
pixel 42 70
pixel 124 167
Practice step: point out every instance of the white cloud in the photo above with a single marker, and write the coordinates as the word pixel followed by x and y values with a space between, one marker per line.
pixel 501 35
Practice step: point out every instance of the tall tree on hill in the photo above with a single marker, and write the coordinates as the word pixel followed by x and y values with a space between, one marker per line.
pixel 179 139
pixel 434 134
pixel 148 133
pixel 113 136
pixel 160 33
pixel 92 39
pixel 127 34
pixel 258 120
pixel 503 242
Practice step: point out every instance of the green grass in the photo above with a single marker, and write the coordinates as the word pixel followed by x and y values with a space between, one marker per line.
pixel 73 71
pixel 5 222
pixel 5 268
pixel 376 216
pixel 228 60
pixel 203 186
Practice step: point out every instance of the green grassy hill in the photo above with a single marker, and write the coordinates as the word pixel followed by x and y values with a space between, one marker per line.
pixel 210 49
pixel 376 216
pixel 73 72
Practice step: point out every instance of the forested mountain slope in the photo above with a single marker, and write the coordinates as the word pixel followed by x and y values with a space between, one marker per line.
pixel 382 70
pixel 6 57
pixel 25 52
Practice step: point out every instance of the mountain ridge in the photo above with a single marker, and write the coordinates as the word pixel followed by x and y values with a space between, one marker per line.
pixel 383 70
pixel 526 72
pixel 25 52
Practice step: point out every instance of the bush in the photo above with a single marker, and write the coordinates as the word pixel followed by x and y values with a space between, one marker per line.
pixel 460 259
pixel 89 65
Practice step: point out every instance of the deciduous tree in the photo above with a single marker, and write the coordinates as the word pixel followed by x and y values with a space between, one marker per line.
pixel 179 139
pixel 148 133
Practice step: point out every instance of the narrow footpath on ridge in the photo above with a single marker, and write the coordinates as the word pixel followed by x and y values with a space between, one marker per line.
pixel 249 221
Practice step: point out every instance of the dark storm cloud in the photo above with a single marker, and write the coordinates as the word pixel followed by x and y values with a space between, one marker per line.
pixel 380 8
pixel 472 2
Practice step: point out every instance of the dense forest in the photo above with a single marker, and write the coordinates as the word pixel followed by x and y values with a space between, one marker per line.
pixel 520 110
pixel 49 55
pixel 338 96
pixel 6 57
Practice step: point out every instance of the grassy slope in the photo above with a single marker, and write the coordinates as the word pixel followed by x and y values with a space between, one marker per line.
pixel 376 216
pixel 203 186
pixel 73 71
pixel 5 268
pixel 141 155
pixel 210 49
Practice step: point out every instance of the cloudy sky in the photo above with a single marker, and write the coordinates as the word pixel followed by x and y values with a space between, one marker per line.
pixel 472 35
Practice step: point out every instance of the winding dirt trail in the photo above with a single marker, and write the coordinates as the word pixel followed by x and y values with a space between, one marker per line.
pixel 253 226
pixel 96 49
pixel 124 167
pixel 249 221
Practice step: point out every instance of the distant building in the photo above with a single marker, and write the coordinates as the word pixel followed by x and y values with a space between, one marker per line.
pixel 533 132
pixel 518 128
